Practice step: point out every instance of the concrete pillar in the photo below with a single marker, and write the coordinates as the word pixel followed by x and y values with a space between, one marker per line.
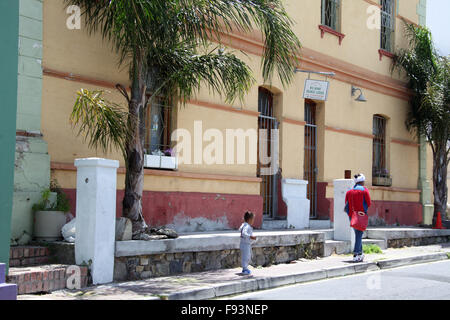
pixel 342 229
pixel 294 195
pixel 96 216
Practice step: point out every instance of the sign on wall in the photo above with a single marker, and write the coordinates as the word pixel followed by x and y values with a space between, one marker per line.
pixel 316 90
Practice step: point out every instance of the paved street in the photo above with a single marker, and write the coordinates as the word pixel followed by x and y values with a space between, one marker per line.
pixel 424 281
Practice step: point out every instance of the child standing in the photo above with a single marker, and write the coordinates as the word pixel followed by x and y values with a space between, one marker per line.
pixel 246 237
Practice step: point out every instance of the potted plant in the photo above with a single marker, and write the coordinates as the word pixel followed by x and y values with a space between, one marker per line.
pixel 50 214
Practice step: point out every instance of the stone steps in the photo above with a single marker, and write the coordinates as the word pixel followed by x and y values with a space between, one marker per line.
pixel 336 247
pixel 410 237
pixel 43 279
pixel 32 272
pixel 25 256
pixel 320 224
pixel 274 224
pixel 328 233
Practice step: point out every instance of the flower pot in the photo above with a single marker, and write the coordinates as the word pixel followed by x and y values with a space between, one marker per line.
pixel 152 161
pixel 169 162
pixel 48 224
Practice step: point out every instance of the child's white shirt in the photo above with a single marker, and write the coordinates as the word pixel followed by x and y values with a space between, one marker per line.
pixel 246 232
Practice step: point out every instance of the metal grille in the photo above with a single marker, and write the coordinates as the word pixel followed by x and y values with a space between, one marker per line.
pixel 331 14
pixel 310 163
pixel 387 25
pixel 269 185
pixel 157 126
pixel 379 147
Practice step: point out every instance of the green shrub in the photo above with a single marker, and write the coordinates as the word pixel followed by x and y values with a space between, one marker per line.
pixel 371 248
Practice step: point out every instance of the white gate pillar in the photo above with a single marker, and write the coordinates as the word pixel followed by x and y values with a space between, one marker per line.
pixel 96 216
pixel 294 195
pixel 342 229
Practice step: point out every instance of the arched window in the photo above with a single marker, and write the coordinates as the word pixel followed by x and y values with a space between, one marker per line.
pixel 379 167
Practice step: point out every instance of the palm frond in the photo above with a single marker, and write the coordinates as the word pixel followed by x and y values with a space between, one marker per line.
pixel 207 19
pixel 102 123
pixel 428 75
pixel 184 71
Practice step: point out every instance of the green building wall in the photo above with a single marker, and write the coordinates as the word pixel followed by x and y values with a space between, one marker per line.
pixel 32 162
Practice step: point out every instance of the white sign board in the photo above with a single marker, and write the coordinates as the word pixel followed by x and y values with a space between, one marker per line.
pixel 316 90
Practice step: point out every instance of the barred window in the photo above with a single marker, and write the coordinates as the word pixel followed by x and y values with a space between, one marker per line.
pixel 157 126
pixel 331 13
pixel 379 167
pixel 387 24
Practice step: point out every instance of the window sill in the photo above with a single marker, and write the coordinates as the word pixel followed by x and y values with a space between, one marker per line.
pixel 385 53
pixel 326 29
pixel 160 162
pixel 382 181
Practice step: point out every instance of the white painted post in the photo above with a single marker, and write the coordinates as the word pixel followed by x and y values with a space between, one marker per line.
pixel 342 229
pixel 294 195
pixel 96 216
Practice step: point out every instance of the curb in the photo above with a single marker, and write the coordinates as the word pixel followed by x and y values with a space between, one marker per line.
pixel 249 285
pixel 394 263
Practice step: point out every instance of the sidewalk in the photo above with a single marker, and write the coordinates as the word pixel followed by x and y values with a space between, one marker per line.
pixel 220 283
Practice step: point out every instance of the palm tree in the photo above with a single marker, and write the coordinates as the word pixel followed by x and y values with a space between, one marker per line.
pixel 167 45
pixel 429 116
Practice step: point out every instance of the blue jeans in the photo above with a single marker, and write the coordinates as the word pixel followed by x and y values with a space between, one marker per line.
pixel 358 242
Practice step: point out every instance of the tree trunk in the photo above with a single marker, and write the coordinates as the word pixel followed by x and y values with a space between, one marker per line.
pixel 134 180
pixel 440 165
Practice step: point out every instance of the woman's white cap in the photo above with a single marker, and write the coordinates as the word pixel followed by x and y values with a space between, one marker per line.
pixel 360 178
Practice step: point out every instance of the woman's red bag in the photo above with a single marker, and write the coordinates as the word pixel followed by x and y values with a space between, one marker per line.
pixel 360 220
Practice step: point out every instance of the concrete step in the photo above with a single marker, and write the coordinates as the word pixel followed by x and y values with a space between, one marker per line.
pixel 336 247
pixel 319 224
pixel 409 236
pixel 24 256
pixel 45 278
pixel 329 233
pixel 274 224
pixel 379 242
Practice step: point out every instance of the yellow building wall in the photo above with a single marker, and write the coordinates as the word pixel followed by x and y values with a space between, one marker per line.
pixel 74 51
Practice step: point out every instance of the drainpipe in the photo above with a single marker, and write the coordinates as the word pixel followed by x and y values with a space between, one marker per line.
pixel 424 183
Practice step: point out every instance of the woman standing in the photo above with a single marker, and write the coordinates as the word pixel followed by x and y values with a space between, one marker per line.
pixel 358 200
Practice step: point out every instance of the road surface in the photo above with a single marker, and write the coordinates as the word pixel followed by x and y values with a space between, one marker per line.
pixel 430 281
